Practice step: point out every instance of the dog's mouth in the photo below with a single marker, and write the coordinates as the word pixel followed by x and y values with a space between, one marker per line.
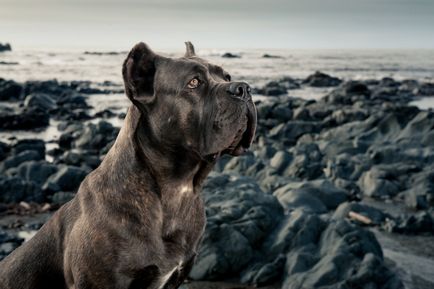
pixel 245 135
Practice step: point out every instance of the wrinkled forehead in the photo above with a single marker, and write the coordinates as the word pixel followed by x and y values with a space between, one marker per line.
pixel 178 71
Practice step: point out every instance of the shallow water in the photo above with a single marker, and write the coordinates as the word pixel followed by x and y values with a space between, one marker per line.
pixel 251 67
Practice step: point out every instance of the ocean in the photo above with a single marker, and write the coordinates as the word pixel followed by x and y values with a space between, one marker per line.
pixel 251 66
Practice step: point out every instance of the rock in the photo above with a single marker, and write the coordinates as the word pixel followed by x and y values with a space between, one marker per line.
pixel 317 196
pixel 421 222
pixel 420 189
pixel 378 183
pixel 15 160
pixel 67 178
pixel 25 119
pixel 99 53
pixel 319 79
pixel 61 198
pixel 280 161
pixel 288 133
pixel 41 101
pixel 281 112
pixel 36 171
pixel 5 47
pixel 4 150
pixel 385 181
pixel 266 55
pixel 377 216
pixel 273 88
pixel 8 243
pixel 348 93
pixel 347 255
pixel 15 190
pixel 306 163
pixel 289 83
pixel 106 113
pixel 239 217
pixel 426 89
pixel 230 55
pixel 10 90
pixel 37 145
pixel 296 198
pixel 96 137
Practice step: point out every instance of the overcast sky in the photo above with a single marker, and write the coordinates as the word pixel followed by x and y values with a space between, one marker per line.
pixel 166 24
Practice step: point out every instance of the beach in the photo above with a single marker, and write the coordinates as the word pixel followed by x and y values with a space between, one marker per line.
pixel 337 190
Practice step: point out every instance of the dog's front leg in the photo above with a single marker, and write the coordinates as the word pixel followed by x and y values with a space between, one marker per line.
pixel 180 275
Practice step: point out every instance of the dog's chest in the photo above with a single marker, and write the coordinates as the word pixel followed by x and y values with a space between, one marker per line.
pixel 184 217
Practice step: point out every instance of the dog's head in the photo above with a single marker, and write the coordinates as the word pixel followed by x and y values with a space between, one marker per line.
pixel 190 102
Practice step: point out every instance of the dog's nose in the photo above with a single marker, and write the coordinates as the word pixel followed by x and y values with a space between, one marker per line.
pixel 239 90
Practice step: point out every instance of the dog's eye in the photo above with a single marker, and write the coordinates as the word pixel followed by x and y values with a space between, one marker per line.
pixel 227 77
pixel 194 83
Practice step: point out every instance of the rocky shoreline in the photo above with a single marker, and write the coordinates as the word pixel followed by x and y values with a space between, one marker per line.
pixel 306 208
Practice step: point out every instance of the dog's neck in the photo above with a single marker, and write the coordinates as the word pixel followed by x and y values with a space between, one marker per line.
pixel 136 155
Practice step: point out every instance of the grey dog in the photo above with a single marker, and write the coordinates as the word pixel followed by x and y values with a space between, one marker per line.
pixel 137 220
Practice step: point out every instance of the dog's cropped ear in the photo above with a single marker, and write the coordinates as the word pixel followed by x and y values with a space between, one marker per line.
pixel 138 72
pixel 189 49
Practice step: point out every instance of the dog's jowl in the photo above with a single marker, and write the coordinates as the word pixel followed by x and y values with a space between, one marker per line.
pixel 137 220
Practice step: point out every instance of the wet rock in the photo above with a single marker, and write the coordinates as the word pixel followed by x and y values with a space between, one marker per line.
pixel 96 137
pixel 346 255
pixel 377 216
pixel 4 150
pixel 317 196
pixel 230 55
pixel 15 190
pixel 10 90
pixel 266 55
pixel 36 171
pixel 420 189
pixel 61 198
pixel 273 88
pixel 41 101
pixel 319 79
pixel 15 160
pixel 25 119
pixel 280 161
pixel 379 183
pixel 421 222
pixel 5 47
pixel 8 243
pixel 106 113
pixel 281 112
pixel 288 133
pixel 289 83
pixel 348 93
pixel 306 163
pixel 22 145
pixel 297 198
pixel 426 89
pixel 67 178
pixel 239 217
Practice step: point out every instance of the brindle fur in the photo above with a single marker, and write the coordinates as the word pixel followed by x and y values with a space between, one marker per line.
pixel 137 220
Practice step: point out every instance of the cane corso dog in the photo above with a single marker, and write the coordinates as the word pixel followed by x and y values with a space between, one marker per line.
pixel 137 220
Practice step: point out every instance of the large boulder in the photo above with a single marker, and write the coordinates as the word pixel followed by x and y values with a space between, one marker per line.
pixel 24 119
pixel 67 178
pixel 8 243
pixel 319 79
pixel 41 101
pixel 10 90
pixel 239 217
pixel 5 47
pixel 15 190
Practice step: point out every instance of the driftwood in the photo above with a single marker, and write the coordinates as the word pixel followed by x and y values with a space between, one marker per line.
pixel 360 218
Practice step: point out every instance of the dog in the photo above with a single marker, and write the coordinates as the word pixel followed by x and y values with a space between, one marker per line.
pixel 137 220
